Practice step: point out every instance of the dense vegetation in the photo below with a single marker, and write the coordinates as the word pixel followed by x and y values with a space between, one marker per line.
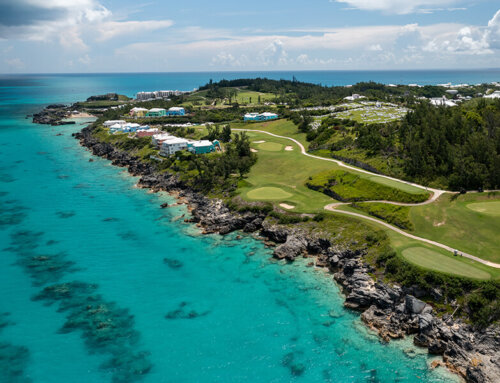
pixel 396 215
pixel 459 145
pixel 349 187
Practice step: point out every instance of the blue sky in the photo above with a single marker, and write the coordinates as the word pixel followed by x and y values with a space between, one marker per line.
pixel 129 36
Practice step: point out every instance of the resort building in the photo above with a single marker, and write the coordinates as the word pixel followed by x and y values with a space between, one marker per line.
pixel 138 112
pixel 495 94
pixel 442 101
pixel 172 145
pixel 203 147
pixel 176 111
pixel 109 123
pixel 260 116
pixel 158 139
pixel 354 97
pixel 156 112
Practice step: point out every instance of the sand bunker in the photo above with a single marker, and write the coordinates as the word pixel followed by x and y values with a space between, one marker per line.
pixel 259 142
pixel 286 206
pixel 253 150
pixel 289 148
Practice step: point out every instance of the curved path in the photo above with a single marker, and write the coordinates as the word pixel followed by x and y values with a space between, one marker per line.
pixel 436 192
pixel 332 207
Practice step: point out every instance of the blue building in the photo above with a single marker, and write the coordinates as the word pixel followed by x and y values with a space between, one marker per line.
pixel 266 116
pixel 176 111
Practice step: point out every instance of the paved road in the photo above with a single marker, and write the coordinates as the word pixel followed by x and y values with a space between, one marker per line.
pixel 332 207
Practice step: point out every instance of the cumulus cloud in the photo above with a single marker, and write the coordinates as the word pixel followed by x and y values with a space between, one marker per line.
pixel 400 6
pixel 66 21
pixel 468 40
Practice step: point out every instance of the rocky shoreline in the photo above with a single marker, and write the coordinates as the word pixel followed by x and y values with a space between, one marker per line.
pixel 392 311
pixel 53 115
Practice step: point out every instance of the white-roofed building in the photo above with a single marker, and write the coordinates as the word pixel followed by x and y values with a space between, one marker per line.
pixel 159 138
pixel 172 145
pixel 109 123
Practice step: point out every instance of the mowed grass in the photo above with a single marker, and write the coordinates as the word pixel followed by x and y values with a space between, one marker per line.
pixel 280 127
pixel 268 193
pixel 271 146
pixel 456 222
pixel 488 208
pixel 400 243
pixel 251 97
pixel 427 258
pixel 284 170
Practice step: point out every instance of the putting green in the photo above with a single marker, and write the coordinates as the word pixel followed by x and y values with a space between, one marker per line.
pixel 271 146
pixel 430 259
pixel 268 193
pixel 489 208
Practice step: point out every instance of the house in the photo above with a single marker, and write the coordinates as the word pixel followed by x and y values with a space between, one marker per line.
pixel 158 139
pixel 495 94
pixel 260 116
pixel 442 101
pixel 172 145
pixel 202 147
pixel 147 133
pixel 176 111
pixel 156 112
pixel 138 112
pixel 109 123
pixel 354 97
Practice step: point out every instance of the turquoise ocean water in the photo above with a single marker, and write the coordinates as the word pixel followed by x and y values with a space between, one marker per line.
pixel 97 282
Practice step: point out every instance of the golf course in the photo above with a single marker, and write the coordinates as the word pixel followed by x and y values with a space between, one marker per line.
pixel 468 223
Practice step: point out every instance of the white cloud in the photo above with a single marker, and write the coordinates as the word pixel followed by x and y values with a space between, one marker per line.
pixel 398 6
pixel 85 60
pixel 69 22
pixel 15 63
pixel 110 29
pixel 375 48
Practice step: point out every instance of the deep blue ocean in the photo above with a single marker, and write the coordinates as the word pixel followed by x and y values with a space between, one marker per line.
pixel 98 284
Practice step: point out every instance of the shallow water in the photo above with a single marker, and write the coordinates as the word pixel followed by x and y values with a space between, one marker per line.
pixel 100 284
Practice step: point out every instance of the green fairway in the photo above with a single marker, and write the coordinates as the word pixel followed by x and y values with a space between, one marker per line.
pixel 280 127
pixel 400 243
pixel 488 208
pixel 270 146
pixel 286 171
pixel 453 221
pixel 430 259
pixel 268 193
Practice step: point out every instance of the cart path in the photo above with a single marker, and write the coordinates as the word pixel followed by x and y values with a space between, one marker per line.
pixel 332 207
pixel 436 193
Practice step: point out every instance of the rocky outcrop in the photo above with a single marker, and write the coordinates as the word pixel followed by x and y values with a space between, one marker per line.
pixel 53 115
pixel 393 311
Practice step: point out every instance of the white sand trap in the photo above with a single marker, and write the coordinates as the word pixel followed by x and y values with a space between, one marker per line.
pixel 287 206
pixel 289 148
pixel 253 150
pixel 259 142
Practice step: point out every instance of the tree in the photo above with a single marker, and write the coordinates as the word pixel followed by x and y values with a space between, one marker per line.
pixel 226 134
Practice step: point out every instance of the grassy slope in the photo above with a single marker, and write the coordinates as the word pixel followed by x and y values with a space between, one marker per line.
pixel 450 222
pixel 280 127
pixel 353 187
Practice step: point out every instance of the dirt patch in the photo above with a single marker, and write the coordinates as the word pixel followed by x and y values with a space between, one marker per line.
pixel 287 206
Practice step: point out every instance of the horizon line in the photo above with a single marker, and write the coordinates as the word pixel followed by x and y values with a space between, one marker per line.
pixel 258 71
